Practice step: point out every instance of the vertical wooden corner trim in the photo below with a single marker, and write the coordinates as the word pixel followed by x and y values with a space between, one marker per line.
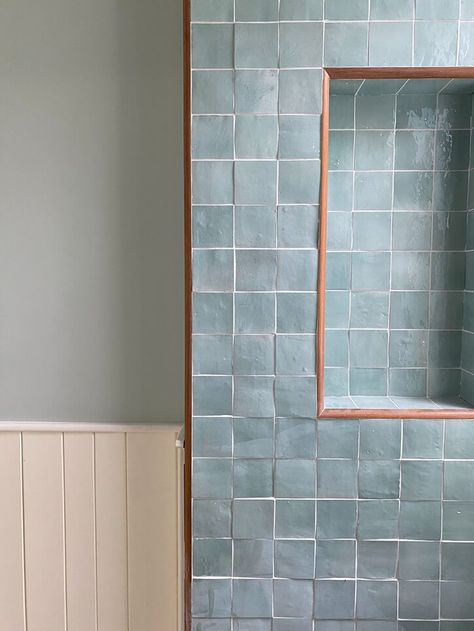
pixel 187 526
pixel 321 293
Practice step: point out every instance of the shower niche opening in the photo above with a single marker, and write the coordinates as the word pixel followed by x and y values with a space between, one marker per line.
pixel 396 257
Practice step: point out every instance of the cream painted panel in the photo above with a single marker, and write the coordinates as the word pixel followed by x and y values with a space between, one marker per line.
pixel 11 534
pixel 80 531
pixel 111 532
pixel 44 531
pixel 152 531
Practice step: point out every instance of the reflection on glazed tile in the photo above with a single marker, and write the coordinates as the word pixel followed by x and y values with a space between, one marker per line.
pixel 436 44
pixel 374 150
pixel 400 35
pixel 414 150
pixel 410 270
pixel 449 231
pixel 448 270
pixel 414 112
pixel 466 48
pixel 413 191
pixel 375 112
pixel 454 111
pixel 373 191
pixel 452 150
pixel 411 231
pixel 371 231
pixel 450 191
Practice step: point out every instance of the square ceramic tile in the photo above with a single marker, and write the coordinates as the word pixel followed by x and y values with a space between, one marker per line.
pixel 296 313
pixel 294 559
pixel 256 45
pixel 212 313
pixel 340 189
pixel 253 478
pixel 212 45
pixel 368 349
pixel 297 270
pixel 374 150
pixel 212 11
pixel 373 191
pixel 409 309
pixel 341 111
pixel 256 136
pixel 297 226
pixel 253 519
pixel 256 91
pixel 255 226
pixel 299 137
pixel 253 355
pixel 295 478
pixel 255 182
pixel 212 137
pixel 341 10
pixel 253 396
pixel 212 226
pixel 295 355
pixel 336 519
pixel 436 43
pixel 414 150
pixel 298 181
pixel 301 45
pixel 388 10
pixel 211 598
pixel 370 270
pixel 421 480
pixel 335 559
pixel 255 270
pixel 345 44
pixel 295 519
pixel 372 230
pixel 213 182
pixel 212 518
pixel 254 312
pixel 252 598
pixel 212 91
pixel 413 191
pixel 334 600
pixel 253 558
pixel 212 557
pixel 377 559
pixel 419 560
pixel 377 599
pixel 256 10
pixel 380 440
pixel 293 598
pixel 300 92
pixel 399 52
pixel 212 354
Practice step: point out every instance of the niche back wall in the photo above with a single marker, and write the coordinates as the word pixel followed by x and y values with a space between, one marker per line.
pixel 284 505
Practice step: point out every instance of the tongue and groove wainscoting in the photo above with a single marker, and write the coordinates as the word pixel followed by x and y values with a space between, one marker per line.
pixel 90 528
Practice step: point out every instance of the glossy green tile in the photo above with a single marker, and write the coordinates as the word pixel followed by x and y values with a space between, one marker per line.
pixel 337 309
pixel 211 598
pixel 334 600
pixel 436 43
pixel 467 10
pixel 458 481
pixel 435 10
pixel 296 270
pixel 336 382
pixel 375 112
pixel 449 231
pixel 256 10
pixel 253 396
pixel 468 308
pixel 295 438
pixel 212 226
pixel 337 479
pixel 414 150
pixel 373 191
pixel 294 478
pixel 345 44
pixel 212 437
pixel 256 91
pixel 212 91
pixel 212 11
pixel 443 382
pixel 452 150
pixel 340 10
pixel 400 35
pixel 445 349
pixel 253 355
pixel 457 600
pixel 339 191
pixel 458 521
pixel 253 558
pixel 212 137
pixel 374 150
pixel 380 440
pixel 411 270
pixel 213 182
pixel 378 519
pixel 459 440
pixel 446 310
pixel 300 92
pixel 293 598
pixel 335 559
pixel 377 599
pixel 421 480
pixel 294 559
pixel 368 349
pixel 450 191
pixel 252 519
pixel 412 231
pixel 379 479
pixel 255 182
pixel 339 231
pixel 212 518
pixel 295 396
pixel 295 519
pixel 341 150
pixel 212 354
pixel 298 181
pixel 291 624
pixel 336 348
pixel 369 310
pixel 256 45
pixel 301 45
pixel 212 478
pixel 368 381
pixel 252 598
pixel 466 49
pixel 389 10
pixel 253 478
pixel 370 270
pixel 409 309
pixel 301 10
pixel 371 230
pixel 212 557
pixel 407 382
pixel 408 349
pixel 422 439
pixel 341 111
pixel 256 136
pixel 212 313
pixel 295 355
pixel 254 313
pixel 255 270
pixel 415 111
pixel 420 520
pixel 377 559
pixel 299 137
pixel 413 191
pixel 447 270
pixel 296 313
pixel 454 111
pixel 457 561
pixel 336 519
pixel 469 282
pixel 338 438
pixel 255 226
pixel 213 270
pixel 212 45
pixel 297 226
pixel 419 599
pixel 419 560
pixel 212 396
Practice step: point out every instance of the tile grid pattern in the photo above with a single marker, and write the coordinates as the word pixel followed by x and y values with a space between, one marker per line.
pixel 264 505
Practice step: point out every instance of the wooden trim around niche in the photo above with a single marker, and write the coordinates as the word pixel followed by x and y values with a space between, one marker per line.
pixel 364 73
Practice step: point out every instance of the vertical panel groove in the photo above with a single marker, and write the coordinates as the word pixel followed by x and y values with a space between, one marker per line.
pixel 95 530
pixel 25 615
pixel 126 531
pixel 64 532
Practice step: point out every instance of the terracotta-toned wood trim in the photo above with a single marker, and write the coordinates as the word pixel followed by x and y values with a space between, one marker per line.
pixel 400 413
pixel 402 73
pixel 187 527
pixel 322 246
pixel 365 73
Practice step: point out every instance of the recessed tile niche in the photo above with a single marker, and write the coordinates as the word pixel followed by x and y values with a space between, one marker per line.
pixel 399 270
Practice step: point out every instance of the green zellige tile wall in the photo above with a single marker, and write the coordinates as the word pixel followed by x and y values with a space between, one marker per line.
pixel 302 525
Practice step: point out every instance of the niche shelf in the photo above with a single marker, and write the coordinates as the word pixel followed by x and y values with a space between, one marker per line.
pixel 396 251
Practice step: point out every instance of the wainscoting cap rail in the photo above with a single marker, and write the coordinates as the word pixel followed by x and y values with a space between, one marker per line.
pixel 84 426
